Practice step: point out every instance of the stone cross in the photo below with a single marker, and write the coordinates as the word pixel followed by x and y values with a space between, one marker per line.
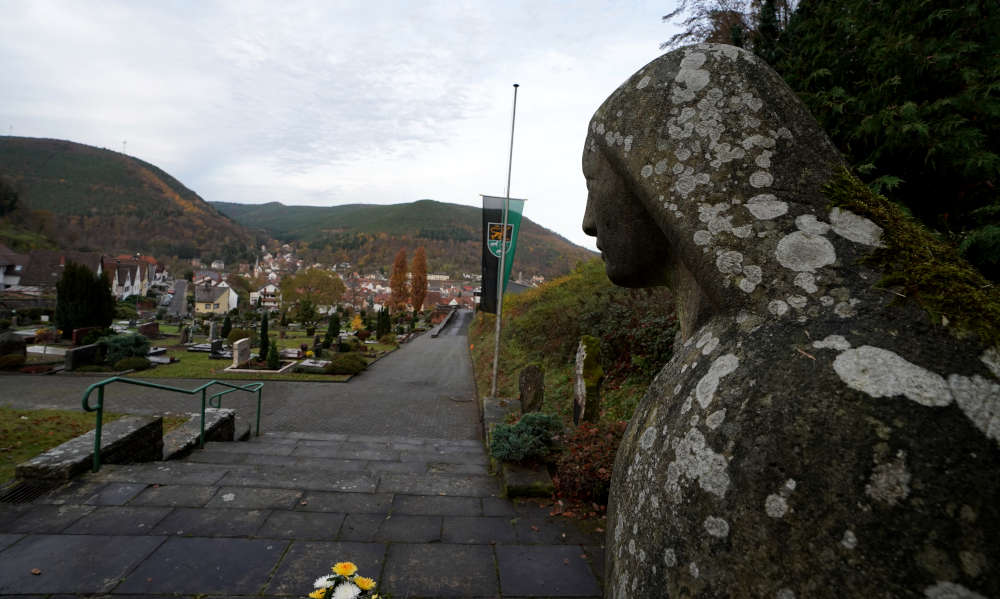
pixel 818 430
pixel 241 353
pixel 587 381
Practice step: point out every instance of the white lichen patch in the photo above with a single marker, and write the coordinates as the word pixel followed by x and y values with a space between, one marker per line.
pixel 761 178
pixel 855 228
pixel 648 438
pixel 979 400
pixel 695 461
pixel 228 497
pixel 881 373
pixel 797 301
pixel 777 307
pixel 643 82
pixel 804 252
pixel 890 481
pixel 775 506
pixel 669 558
pixel 702 237
pixel 722 366
pixel 646 171
pixel 717 527
pixel 807 223
pixel 766 206
pixel 837 342
pixel 849 540
pixel 991 358
pixel 730 262
pixel 785 593
pixel 714 420
pixel 950 590
pixel 693 569
pixel 806 281
pixel 752 276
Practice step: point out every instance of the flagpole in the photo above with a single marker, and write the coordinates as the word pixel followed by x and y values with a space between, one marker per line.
pixel 503 251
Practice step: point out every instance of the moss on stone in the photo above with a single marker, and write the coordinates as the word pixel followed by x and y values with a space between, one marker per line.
pixel 592 371
pixel 920 265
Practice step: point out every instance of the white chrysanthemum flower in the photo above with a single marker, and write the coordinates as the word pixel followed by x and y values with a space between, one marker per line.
pixel 348 590
pixel 323 581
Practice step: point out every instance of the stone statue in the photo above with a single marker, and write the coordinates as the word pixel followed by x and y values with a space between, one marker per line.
pixel 817 433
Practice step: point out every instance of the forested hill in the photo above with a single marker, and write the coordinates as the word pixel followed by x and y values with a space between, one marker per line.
pixel 82 197
pixel 368 235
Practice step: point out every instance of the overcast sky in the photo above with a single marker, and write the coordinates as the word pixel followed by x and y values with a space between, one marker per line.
pixel 333 102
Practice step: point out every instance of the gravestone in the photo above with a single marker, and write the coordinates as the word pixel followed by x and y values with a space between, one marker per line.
pixel 185 335
pixel 12 344
pixel 241 353
pixel 83 355
pixel 150 330
pixel 216 349
pixel 587 381
pixel 531 385
pixel 821 430
pixel 211 331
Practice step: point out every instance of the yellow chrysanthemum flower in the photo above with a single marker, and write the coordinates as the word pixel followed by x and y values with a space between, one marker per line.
pixel 365 584
pixel 317 594
pixel 344 568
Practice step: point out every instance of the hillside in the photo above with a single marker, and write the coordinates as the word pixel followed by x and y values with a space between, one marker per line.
pixel 83 197
pixel 368 236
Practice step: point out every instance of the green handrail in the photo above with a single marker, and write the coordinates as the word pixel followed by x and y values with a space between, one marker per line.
pixel 215 401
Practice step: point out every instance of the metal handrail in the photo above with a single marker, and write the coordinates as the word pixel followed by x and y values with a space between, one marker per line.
pixel 215 401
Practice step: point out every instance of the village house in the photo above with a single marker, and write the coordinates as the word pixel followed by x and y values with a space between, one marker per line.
pixel 214 299
pixel 269 297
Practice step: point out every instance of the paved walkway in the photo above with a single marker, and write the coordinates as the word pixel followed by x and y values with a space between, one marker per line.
pixel 264 518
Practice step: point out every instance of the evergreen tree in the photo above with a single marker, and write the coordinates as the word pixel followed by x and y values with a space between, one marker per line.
pixel 273 362
pixel 418 281
pixel 227 326
pixel 264 339
pixel 765 43
pixel 332 331
pixel 83 299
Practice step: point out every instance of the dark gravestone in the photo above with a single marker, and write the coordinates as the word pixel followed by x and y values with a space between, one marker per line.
pixel 587 381
pixel 815 432
pixel 83 355
pixel 150 330
pixel 216 351
pixel 81 333
pixel 12 344
pixel 531 385
pixel 185 335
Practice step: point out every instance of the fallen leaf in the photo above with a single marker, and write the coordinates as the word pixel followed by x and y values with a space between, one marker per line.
pixel 36 571
pixel 534 528
pixel 566 562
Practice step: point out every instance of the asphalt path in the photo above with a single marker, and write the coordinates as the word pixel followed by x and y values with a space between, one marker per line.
pixel 424 389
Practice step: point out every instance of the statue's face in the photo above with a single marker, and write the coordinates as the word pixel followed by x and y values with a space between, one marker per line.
pixel 633 247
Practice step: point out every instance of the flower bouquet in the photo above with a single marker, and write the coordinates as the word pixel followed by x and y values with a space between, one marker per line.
pixel 344 583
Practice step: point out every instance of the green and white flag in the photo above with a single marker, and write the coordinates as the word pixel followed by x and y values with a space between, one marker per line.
pixel 493 237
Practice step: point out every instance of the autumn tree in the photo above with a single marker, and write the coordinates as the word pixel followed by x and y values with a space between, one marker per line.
pixel 321 287
pixel 418 280
pixel 397 283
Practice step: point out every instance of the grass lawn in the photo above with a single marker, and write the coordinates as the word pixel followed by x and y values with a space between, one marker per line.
pixel 27 433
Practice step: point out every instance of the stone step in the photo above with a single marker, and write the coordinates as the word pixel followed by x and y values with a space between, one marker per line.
pixel 397 451
pixel 220 425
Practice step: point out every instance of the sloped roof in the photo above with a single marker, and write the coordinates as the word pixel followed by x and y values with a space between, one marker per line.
pixel 209 294
pixel 46 266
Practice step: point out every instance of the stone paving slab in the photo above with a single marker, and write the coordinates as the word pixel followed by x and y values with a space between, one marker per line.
pixel 71 563
pixel 409 529
pixel 176 473
pixel 89 493
pixel 118 520
pixel 440 570
pixel 44 519
pixel 250 448
pixel 200 565
pixel 8 540
pixel 275 476
pixel 476 530
pixel 432 505
pixel 353 503
pixel 545 572
pixel 203 522
pixel 255 498
pixel 175 495
pixel 309 526
pixel 307 561
pixel 361 527
pixel 437 484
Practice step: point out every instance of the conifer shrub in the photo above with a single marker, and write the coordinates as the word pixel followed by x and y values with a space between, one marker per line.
pixel 117 347
pixel 132 363
pixel 273 362
pixel 583 470
pixel 346 363
pixel 388 339
pixel 530 439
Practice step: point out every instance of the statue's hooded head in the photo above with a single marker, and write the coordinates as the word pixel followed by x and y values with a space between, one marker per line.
pixel 697 166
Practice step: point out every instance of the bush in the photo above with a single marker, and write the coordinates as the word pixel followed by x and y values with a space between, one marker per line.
pixel 583 471
pixel 237 334
pixel 133 363
pixel 388 339
pixel 4 324
pixel 11 361
pixel 273 362
pixel 530 439
pixel 125 311
pixel 95 336
pixel 363 334
pixel 346 363
pixel 351 344
pixel 124 346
